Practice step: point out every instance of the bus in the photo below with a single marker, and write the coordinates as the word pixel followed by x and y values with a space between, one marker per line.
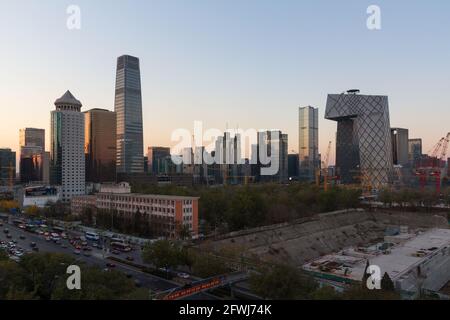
pixel 92 236
pixel 120 246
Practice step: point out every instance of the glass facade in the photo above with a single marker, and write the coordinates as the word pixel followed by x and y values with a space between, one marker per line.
pixel 7 167
pixel 100 145
pixel 415 151
pixel 363 146
pixel 32 155
pixel 32 137
pixel 308 142
pixel 128 108
pixel 157 159
pixel 400 138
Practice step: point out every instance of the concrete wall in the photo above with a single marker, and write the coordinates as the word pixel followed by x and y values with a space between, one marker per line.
pixel 308 239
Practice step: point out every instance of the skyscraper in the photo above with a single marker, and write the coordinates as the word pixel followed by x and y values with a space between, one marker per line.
pixel 32 137
pixel 274 141
pixel 100 145
pixel 128 108
pixel 7 167
pixel 32 155
pixel 363 146
pixel 415 151
pixel 308 142
pixel 400 146
pixel 67 147
pixel 157 158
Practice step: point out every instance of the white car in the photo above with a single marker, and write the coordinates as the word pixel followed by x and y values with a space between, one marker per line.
pixel 183 275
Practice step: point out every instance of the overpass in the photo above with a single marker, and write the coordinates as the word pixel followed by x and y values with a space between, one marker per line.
pixel 201 286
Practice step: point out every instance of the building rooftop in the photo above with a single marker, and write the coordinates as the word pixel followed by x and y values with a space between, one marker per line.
pixel 68 99
pixel 157 196
pixel 397 255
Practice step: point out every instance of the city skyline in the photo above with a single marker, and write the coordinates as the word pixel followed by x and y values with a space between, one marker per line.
pixel 241 85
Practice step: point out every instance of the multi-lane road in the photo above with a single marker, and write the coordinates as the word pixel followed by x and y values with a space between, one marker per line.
pixel 96 258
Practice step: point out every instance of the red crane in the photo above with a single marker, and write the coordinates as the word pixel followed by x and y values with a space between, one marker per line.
pixel 436 155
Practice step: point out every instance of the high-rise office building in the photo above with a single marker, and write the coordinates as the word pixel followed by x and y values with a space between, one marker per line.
pixel 415 151
pixel 32 155
pixel 363 146
pixel 7 167
pixel 128 108
pixel 400 138
pixel 157 159
pixel 274 141
pixel 67 147
pixel 31 164
pixel 32 137
pixel 100 145
pixel 293 166
pixel 308 142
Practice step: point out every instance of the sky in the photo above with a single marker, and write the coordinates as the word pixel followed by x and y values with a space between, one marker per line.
pixel 227 63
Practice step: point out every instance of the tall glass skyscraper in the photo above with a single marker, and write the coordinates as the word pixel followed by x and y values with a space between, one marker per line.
pixel 308 142
pixel 100 145
pixel 128 108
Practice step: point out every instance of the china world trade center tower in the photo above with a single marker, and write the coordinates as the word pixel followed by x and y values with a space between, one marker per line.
pixel 128 108
pixel 363 142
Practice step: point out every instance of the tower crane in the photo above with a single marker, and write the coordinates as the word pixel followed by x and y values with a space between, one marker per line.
pixel 436 155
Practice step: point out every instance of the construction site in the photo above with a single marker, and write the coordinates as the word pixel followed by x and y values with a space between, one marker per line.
pixel 414 248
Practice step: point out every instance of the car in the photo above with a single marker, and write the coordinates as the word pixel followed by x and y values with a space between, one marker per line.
pixel 6 231
pixel 48 239
pixel 33 244
pixel 8 236
pixel 129 258
pixel 36 249
pixel 110 265
pixel 64 246
pixel 22 238
pixel 183 275
pixel 77 252
pixel 95 244
pixel 86 254
pixel 115 252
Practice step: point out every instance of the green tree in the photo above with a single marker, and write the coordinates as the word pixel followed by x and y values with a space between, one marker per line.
pixel 162 254
pixel 96 284
pixel 283 282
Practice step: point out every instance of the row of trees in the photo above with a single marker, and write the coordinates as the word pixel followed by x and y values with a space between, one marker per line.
pixel 414 199
pixel 171 255
pixel 42 276
pixel 234 208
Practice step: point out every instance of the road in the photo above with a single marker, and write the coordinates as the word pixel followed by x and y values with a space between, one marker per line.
pixel 154 283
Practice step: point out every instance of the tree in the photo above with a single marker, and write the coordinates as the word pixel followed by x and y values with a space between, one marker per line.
pixel 96 284
pixel 386 283
pixel 162 254
pixel 283 282
pixel 325 293
pixel 206 265
pixel 183 231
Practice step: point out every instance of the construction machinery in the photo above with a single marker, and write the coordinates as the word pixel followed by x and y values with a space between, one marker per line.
pixel 433 165
pixel 324 172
